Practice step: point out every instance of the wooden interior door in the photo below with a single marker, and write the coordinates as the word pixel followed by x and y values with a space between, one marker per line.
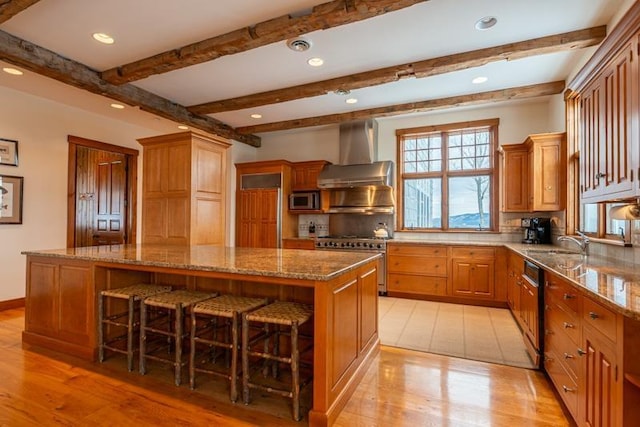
pixel 111 188
pixel 102 197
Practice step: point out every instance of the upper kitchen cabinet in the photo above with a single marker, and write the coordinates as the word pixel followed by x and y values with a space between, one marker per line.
pixel 304 175
pixel 534 177
pixel 262 195
pixel 184 189
pixel 604 95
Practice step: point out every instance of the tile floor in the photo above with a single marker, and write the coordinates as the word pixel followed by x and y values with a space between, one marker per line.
pixel 478 333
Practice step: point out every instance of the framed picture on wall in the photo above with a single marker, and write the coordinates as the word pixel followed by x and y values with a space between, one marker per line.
pixel 11 199
pixel 8 152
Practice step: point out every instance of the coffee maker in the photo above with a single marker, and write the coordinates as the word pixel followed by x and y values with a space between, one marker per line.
pixel 536 230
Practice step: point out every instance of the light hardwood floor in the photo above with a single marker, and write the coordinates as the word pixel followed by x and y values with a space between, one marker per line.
pixel 401 388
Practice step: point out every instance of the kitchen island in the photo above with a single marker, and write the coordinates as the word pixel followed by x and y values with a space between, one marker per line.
pixel 63 286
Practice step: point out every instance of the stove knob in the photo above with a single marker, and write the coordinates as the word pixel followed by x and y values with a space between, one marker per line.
pixel 358 244
pixel 379 246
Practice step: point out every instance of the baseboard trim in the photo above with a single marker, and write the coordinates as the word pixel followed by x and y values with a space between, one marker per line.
pixel 11 304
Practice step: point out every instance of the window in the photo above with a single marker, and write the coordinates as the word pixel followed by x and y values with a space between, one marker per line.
pixel 596 221
pixel 446 177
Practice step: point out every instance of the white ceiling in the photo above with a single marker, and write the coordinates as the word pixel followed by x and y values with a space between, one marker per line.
pixel 427 30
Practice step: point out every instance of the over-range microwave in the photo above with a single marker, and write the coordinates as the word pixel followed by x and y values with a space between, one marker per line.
pixel 308 200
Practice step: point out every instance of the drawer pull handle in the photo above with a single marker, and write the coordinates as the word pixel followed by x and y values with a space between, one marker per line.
pixel 593 315
pixel 568 296
pixel 568 325
pixel 548 332
pixel 581 352
pixel 568 356
pixel 567 389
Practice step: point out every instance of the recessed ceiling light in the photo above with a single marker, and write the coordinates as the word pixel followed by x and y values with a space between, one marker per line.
pixel 351 100
pixel 103 38
pixel 183 127
pixel 342 92
pixel 256 116
pixel 479 80
pixel 315 62
pixel 12 71
pixel 486 23
pixel 117 106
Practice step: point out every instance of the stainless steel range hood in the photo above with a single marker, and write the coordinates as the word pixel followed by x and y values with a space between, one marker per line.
pixel 358 184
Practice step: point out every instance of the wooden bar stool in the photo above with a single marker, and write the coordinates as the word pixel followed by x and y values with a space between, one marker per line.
pixel 278 314
pixel 208 318
pixel 174 303
pixel 133 294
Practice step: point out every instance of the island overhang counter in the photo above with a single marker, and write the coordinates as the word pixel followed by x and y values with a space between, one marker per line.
pixel 63 285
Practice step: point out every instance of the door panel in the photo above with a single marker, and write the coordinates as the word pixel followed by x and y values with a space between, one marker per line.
pixel 111 190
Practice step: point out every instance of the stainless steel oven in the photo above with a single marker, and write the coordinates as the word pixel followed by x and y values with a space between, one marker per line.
pixel 359 244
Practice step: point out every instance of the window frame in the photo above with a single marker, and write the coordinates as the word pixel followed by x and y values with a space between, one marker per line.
pixel 492 172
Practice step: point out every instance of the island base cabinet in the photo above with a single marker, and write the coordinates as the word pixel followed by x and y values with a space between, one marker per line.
pixel 59 307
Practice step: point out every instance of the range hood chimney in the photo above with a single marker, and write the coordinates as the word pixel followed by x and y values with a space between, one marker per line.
pixel 358 184
pixel 357 168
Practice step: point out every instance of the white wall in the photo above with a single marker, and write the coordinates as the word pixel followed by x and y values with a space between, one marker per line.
pixel 517 120
pixel 41 127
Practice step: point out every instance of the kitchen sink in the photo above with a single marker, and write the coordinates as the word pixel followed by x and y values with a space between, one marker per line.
pixel 552 251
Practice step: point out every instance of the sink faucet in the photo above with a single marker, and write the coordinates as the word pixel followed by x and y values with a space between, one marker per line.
pixel 582 242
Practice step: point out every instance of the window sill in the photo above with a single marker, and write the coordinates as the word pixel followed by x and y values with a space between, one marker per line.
pixel 610 242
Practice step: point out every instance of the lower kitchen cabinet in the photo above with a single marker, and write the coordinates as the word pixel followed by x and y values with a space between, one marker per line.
pixel 416 270
pixel 591 355
pixel 298 244
pixel 473 272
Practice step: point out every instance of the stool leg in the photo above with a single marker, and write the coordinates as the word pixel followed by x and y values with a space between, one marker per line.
pixel 101 328
pixel 295 372
pixel 267 338
pixel 233 395
pixel 245 359
pixel 130 333
pixel 276 350
pixel 192 354
pixel 178 332
pixel 143 338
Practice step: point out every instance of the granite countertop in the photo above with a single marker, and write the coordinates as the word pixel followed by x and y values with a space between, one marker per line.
pixel 613 282
pixel 284 263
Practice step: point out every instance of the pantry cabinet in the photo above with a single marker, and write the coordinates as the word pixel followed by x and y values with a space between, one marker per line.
pixel 184 189
pixel 535 174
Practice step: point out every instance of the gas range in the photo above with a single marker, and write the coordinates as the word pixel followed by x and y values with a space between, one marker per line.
pixel 352 243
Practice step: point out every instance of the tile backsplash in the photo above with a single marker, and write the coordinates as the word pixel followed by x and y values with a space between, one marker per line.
pixel 319 220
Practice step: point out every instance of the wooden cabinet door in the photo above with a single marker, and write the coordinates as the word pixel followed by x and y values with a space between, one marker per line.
pixel 257 218
pixel 305 175
pixel 600 381
pixel 529 310
pixel 617 87
pixel 547 182
pixel 473 278
pixel 608 146
pixel 515 183
pixel 590 137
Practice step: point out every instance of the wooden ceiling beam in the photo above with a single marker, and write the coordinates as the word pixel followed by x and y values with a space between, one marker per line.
pixel 47 63
pixel 10 8
pixel 521 92
pixel 430 67
pixel 324 16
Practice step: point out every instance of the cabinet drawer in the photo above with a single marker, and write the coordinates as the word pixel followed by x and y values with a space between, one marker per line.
pixel 563 291
pixel 600 317
pixel 473 252
pixel 419 265
pixel 557 342
pixel 565 384
pixel 298 244
pixel 424 285
pixel 559 317
pixel 417 250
